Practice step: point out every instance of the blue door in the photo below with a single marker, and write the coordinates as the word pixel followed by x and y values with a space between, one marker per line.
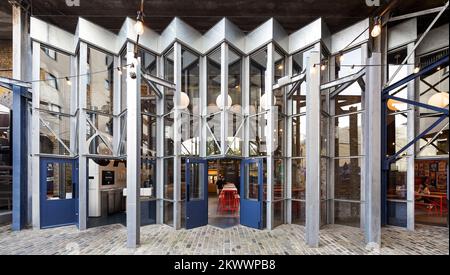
pixel 252 193
pixel 59 192
pixel 196 193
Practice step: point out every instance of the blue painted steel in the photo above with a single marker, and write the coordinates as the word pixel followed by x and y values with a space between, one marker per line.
pixel 20 159
pixel 197 209
pixel 424 71
pixel 55 213
pixel 419 104
pixel 251 210
pixel 388 218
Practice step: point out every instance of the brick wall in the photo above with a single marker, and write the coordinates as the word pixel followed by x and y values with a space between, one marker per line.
pixel 5 63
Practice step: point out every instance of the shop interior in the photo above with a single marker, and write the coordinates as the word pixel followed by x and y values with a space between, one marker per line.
pixel 223 192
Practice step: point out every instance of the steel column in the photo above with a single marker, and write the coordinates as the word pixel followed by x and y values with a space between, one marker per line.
pixel 269 133
pixel 35 140
pixel 372 150
pixel 313 114
pixel 133 152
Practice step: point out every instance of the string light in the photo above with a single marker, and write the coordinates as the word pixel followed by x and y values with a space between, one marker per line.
pixel 119 70
pixel 376 31
pixel 323 67
pixel 68 81
pixel 416 69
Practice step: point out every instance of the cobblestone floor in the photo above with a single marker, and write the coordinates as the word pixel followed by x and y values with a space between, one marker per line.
pixel 157 239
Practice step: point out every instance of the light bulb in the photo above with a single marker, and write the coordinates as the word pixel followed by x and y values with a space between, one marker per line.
pixel 139 27
pixel 417 70
pixel 323 67
pixel 376 31
pixel 68 81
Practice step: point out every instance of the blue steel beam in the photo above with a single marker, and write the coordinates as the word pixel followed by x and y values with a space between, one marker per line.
pixel 416 139
pixel 419 104
pixel 411 77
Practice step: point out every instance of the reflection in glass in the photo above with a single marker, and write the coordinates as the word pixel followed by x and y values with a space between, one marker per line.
pixel 168 178
pixel 298 179
pixel 279 179
pixel 148 178
pixel 299 136
pixel 59 181
pixel 251 181
pixel 397 186
pixel 348 133
pixel 298 212
pixel 148 137
pixel 347 177
pixel 347 213
pixel 100 88
pixel 345 61
pixel 54 134
pixel 55 91
pixel 258 66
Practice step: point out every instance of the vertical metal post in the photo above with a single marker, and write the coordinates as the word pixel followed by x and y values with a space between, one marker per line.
pixel 364 57
pixel 133 153
pixel 35 133
pixel 373 153
pixel 224 94
pixel 20 163
pixel 160 149
pixel 313 114
pixel 246 105
pixel 82 143
pixel 177 139
pixel 410 174
pixel 332 148
pixel 203 103
pixel 117 106
pixel 270 134
pixel 289 149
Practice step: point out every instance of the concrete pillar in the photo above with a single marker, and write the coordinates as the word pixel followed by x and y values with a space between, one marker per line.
pixel 313 113
pixel 372 145
pixel 133 153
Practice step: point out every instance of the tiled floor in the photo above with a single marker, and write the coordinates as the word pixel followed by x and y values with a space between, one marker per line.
pixel 157 239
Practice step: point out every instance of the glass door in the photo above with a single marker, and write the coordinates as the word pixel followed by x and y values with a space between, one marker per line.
pixel 196 193
pixel 252 193
pixel 59 192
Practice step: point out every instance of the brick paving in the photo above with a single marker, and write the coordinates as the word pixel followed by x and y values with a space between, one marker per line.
pixel 239 240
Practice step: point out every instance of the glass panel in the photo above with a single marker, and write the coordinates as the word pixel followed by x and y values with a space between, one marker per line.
pixel 347 213
pixel 347 176
pixel 168 135
pixel 251 181
pixel 236 134
pixel 280 136
pixel 123 135
pixel 258 66
pixel 349 100
pixel 190 134
pixel 56 90
pixel 279 179
pixel 348 133
pixel 299 100
pixel 278 213
pixel 235 81
pixel 168 213
pixel 431 191
pixel 169 76
pixel 397 186
pixel 168 179
pixel 299 136
pixel 190 82
pixel 54 134
pixel 323 178
pixel 148 136
pixel 148 178
pixel 299 61
pixel 258 135
pixel 196 184
pixel 298 212
pixel 279 65
pixel 104 124
pixel 345 62
pixel 214 81
pixel 397 134
pixel 59 181
pixel 298 178
pixel 148 62
pixel 100 93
